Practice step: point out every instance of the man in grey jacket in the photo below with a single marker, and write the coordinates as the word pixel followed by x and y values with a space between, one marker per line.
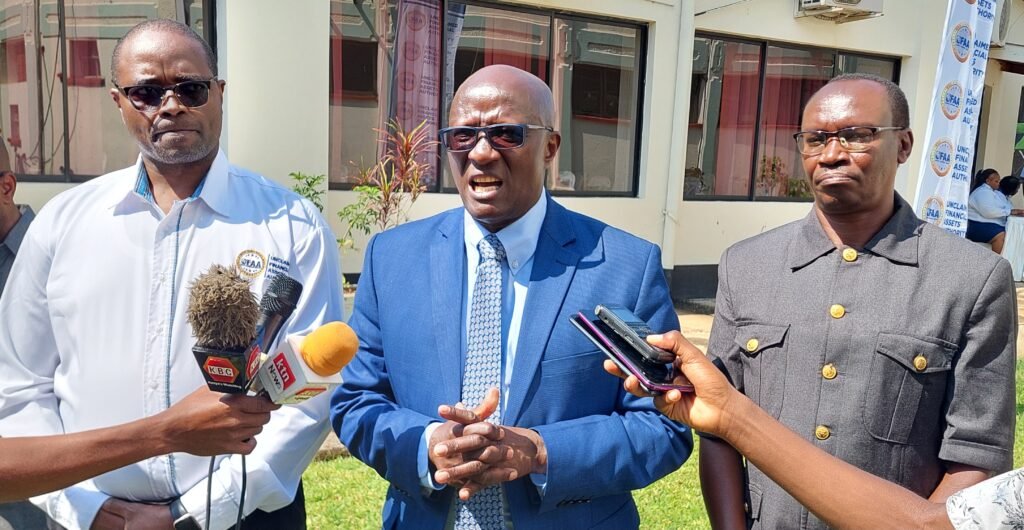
pixel 881 339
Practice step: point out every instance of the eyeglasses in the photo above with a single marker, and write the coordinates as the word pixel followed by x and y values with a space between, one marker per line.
pixel 853 139
pixel 499 136
pixel 147 98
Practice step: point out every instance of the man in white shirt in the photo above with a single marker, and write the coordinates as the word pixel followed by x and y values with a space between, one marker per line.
pixel 987 210
pixel 93 329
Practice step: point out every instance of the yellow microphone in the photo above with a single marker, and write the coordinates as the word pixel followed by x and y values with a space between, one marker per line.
pixel 307 366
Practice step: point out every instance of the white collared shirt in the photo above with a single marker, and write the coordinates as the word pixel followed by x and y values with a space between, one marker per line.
pixel 988 205
pixel 93 330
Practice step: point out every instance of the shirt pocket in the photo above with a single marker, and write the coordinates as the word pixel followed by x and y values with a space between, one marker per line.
pixel 764 364
pixel 906 387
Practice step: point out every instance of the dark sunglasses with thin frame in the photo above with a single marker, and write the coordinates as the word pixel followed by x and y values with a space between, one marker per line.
pixel 147 98
pixel 499 136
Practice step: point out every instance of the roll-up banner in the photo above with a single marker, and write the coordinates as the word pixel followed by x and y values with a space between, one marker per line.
pixel 955 109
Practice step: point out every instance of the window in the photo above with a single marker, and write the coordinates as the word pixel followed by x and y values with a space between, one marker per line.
pixel 362 47
pixel 56 119
pixel 84 63
pixel 415 53
pixel 746 104
pixel 14 60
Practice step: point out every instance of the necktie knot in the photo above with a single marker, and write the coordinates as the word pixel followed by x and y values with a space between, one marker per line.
pixel 490 248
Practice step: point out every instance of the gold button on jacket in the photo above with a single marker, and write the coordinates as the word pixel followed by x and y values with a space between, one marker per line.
pixel 829 371
pixel 752 345
pixel 837 311
pixel 822 432
pixel 849 254
pixel 920 363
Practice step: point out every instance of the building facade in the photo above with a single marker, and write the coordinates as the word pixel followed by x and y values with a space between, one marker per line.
pixel 676 115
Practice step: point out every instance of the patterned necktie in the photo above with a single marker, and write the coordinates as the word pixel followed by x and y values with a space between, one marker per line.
pixel 483 371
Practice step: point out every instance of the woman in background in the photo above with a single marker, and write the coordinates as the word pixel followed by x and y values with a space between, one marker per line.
pixel 988 209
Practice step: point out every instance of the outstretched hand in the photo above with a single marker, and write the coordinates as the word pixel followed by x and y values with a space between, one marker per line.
pixel 707 408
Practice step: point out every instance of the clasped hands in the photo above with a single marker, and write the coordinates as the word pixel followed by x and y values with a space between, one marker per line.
pixel 469 453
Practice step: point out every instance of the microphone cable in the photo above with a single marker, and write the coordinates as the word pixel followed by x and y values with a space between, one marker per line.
pixel 209 490
pixel 241 499
pixel 209 495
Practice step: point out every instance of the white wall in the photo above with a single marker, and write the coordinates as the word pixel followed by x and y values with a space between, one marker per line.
pixel 277 85
pixel 1002 109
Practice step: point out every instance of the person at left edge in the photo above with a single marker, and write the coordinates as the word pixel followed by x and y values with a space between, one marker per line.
pixel 579 442
pixel 93 330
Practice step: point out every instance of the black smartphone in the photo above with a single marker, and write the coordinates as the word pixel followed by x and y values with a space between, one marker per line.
pixel 633 329
pixel 655 377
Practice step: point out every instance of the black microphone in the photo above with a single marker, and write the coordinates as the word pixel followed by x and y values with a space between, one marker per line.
pixel 223 312
pixel 276 306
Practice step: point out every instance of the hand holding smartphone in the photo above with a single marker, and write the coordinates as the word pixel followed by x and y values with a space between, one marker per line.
pixel 655 377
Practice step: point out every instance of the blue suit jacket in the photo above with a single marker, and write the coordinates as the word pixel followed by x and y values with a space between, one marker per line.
pixel 601 441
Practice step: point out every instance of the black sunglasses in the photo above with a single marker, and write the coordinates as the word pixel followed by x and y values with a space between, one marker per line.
pixel 499 136
pixel 147 98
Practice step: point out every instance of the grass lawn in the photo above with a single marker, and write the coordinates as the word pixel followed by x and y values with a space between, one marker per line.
pixel 345 494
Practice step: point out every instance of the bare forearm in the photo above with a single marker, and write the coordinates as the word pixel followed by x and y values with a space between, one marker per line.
pixel 721 482
pixel 957 477
pixel 837 492
pixel 39 464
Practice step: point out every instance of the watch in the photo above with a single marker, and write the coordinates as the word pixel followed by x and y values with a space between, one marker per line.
pixel 182 519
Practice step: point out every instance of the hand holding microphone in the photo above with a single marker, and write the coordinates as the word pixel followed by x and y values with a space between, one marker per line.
pixel 207 423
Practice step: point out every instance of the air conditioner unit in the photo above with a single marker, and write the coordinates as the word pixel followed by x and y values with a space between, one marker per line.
pixel 1001 24
pixel 839 11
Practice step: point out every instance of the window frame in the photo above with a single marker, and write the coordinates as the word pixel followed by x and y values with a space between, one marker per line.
pixel 751 195
pixel 209 34
pixel 643 35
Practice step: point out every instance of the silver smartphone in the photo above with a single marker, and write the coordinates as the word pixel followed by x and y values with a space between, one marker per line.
pixel 634 330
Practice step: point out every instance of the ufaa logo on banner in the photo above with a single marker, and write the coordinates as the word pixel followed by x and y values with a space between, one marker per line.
pixel 934 210
pixel 960 41
pixel 941 156
pixel 951 99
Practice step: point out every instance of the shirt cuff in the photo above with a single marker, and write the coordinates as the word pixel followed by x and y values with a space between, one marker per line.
pixel 540 480
pixel 74 508
pixel 423 459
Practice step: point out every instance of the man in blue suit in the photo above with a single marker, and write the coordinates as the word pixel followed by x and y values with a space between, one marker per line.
pixel 480 297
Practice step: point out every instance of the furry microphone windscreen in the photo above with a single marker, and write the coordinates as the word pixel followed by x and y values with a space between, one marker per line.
pixel 222 310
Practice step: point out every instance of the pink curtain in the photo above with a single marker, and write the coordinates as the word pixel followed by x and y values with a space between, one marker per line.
pixel 737 119
pixel 417 82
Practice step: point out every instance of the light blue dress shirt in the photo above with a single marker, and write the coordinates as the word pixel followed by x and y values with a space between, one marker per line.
pixel 520 241
pixel 987 205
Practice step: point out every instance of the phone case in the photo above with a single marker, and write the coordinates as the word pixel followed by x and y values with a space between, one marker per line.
pixel 631 334
pixel 627 365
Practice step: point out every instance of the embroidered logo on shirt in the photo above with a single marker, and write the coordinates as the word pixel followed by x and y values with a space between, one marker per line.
pixel 277 266
pixel 251 263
